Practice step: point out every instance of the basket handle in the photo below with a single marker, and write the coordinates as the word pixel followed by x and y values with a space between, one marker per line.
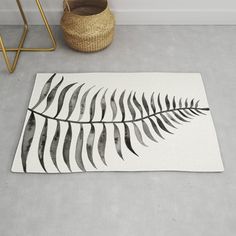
pixel 66 6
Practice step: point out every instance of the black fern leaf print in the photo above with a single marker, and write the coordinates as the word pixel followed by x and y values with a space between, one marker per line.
pixel 148 116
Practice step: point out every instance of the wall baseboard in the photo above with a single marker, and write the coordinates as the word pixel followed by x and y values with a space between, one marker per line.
pixel 136 17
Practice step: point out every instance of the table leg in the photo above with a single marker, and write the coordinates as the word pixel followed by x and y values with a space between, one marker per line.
pixel 20 47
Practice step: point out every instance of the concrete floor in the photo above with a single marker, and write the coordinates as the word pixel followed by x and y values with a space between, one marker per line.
pixel 123 204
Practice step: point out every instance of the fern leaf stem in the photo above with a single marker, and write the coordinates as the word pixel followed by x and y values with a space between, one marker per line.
pixel 119 122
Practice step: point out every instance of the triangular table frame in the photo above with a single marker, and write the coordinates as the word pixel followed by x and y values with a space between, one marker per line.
pixel 11 67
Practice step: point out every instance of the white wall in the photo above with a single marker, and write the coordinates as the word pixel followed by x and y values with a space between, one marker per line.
pixel 137 11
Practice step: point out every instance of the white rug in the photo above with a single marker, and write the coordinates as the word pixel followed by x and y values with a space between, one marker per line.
pixel 118 122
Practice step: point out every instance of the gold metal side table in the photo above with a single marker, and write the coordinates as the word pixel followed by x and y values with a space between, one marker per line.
pixel 11 67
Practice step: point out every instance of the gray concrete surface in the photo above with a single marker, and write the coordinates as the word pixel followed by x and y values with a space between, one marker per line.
pixel 123 204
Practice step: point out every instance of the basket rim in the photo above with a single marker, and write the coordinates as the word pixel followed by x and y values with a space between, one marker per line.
pixel 87 16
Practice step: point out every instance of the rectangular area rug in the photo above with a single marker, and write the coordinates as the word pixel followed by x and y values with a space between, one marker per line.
pixel 118 122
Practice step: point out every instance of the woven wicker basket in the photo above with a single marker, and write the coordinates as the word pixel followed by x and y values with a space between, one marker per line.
pixel 88 25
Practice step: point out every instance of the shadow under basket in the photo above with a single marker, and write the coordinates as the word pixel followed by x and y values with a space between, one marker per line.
pixel 87 25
